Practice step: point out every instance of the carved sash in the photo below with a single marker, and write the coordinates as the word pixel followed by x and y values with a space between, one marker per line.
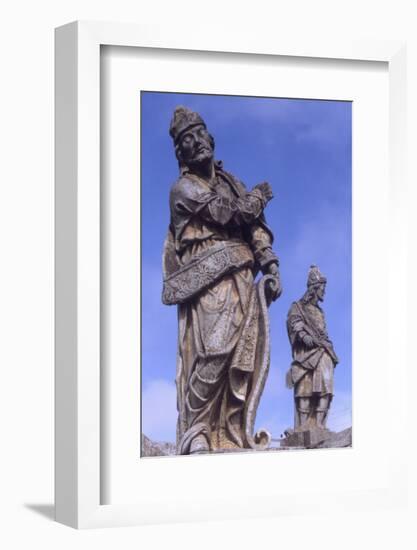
pixel 204 270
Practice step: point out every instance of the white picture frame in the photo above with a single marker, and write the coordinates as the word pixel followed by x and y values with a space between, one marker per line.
pixel 78 427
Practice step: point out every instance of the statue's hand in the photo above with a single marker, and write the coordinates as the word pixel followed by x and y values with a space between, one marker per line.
pixel 272 269
pixel 308 341
pixel 266 190
pixel 274 286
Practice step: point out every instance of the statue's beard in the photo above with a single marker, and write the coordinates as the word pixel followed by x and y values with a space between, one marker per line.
pixel 312 297
pixel 202 157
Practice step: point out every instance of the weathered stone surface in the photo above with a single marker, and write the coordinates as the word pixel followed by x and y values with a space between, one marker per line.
pixel 339 439
pixel 156 448
pixel 308 438
pixel 334 440
pixel 217 242
pixel 314 360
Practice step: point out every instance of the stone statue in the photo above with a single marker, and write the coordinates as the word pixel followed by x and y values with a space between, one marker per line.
pixel 314 360
pixel 217 242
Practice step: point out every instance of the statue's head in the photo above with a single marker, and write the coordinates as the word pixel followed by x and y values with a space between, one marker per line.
pixel 193 144
pixel 316 284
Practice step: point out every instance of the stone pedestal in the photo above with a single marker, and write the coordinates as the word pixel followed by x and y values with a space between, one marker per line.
pixel 308 438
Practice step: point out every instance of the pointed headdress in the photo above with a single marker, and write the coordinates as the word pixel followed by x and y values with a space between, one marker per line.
pixel 315 277
pixel 183 119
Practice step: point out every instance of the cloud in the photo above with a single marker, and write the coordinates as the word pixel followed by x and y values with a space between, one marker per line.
pixel 275 383
pixel 275 412
pixel 340 415
pixel 159 410
pixel 322 240
pixel 159 322
pixel 152 283
pixel 311 121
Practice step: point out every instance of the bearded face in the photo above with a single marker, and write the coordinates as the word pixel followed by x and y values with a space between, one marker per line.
pixel 321 289
pixel 195 146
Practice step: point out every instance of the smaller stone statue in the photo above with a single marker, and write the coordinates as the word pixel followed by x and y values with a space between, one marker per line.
pixel 314 360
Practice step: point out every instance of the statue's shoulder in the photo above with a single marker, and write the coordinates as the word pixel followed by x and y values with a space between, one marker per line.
pixel 182 187
pixel 236 182
pixel 186 195
pixel 180 183
pixel 294 309
pixel 185 185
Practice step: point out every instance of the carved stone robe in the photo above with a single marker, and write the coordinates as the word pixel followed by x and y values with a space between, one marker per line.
pixel 216 243
pixel 311 372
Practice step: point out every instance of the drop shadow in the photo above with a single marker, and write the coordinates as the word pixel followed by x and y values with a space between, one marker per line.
pixel 45 510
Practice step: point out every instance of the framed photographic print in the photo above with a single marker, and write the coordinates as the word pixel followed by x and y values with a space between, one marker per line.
pixel 304 146
pixel 220 224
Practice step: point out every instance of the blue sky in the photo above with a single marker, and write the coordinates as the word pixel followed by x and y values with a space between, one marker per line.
pixel 303 149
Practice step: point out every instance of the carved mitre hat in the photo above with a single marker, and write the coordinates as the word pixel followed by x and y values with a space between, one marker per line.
pixel 315 277
pixel 182 120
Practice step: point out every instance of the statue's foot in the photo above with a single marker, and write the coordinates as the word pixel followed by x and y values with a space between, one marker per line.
pixel 199 445
pixel 321 426
pixel 307 425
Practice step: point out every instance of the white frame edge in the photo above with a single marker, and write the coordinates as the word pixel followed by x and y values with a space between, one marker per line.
pixel 77 232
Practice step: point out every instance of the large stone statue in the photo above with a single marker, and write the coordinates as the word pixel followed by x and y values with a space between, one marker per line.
pixel 314 360
pixel 217 242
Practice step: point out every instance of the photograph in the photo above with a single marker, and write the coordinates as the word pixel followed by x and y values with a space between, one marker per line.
pixel 209 252
pixel 246 273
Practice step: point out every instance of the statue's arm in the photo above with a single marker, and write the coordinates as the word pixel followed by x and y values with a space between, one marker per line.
pixel 296 328
pixel 260 241
pixel 258 235
pixel 238 212
pixel 188 198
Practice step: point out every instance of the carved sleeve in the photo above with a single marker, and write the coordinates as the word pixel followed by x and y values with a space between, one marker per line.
pixel 261 245
pixel 295 325
pixel 189 200
pixel 240 211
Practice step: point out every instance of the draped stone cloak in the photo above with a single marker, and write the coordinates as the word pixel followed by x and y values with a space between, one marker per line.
pixel 217 241
pixel 311 371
